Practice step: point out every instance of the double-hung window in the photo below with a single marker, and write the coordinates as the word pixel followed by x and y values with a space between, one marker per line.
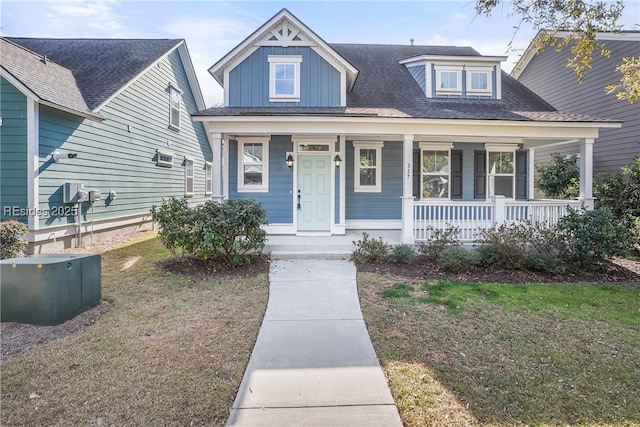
pixel 368 166
pixel 479 80
pixel 253 165
pixel 448 79
pixel 188 177
pixel 284 78
pixel 175 101
pixel 435 170
pixel 501 171
pixel 208 178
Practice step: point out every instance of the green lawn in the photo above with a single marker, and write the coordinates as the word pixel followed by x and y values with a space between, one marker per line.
pixel 504 354
pixel 171 350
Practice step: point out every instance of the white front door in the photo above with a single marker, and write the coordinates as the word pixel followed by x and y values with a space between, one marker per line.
pixel 314 192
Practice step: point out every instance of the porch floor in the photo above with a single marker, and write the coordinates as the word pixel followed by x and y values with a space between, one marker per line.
pixel 323 247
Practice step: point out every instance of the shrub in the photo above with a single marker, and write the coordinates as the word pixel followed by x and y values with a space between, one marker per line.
pixel 506 246
pixel 175 220
pixel 559 177
pixel 370 250
pixel 457 259
pixel 592 236
pixel 440 239
pixel 620 193
pixel 229 230
pixel 402 254
pixel 12 242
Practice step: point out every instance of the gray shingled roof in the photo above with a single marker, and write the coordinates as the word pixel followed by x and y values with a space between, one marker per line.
pixel 47 80
pixel 100 67
pixel 385 88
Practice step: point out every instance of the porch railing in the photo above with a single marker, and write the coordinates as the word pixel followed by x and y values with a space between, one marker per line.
pixel 474 217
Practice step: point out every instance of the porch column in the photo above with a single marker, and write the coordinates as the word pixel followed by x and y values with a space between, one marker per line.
pixel 586 172
pixel 407 191
pixel 217 173
pixel 532 174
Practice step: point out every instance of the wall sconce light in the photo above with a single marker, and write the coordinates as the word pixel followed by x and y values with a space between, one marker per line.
pixel 337 160
pixel 289 160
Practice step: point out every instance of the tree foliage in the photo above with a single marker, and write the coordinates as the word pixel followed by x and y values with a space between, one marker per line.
pixel 575 24
pixel 559 178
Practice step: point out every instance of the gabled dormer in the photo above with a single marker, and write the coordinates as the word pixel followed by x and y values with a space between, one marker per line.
pixel 284 64
pixel 465 77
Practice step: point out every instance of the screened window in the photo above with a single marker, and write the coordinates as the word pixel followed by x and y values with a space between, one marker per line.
pixel 449 79
pixel 188 177
pixel 478 80
pixel 253 165
pixel 208 178
pixel 435 174
pixel 175 100
pixel 501 173
pixel 284 78
pixel 368 167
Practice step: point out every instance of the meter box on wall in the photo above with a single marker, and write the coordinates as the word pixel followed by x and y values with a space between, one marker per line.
pixel 74 192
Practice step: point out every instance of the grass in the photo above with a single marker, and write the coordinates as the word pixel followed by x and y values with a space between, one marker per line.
pixel 171 350
pixel 507 354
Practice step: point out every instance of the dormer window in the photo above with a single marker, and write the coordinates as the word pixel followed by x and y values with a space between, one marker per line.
pixel 479 80
pixel 284 78
pixel 449 80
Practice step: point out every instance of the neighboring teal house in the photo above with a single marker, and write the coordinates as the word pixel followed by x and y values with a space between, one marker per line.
pixel 94 133
pixel 332 138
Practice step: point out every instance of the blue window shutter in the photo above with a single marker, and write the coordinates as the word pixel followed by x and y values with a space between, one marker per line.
pixel 456 174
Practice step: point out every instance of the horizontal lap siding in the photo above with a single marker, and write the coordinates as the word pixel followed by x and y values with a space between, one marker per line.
pixel 119 154
pixel 385 205
pixel 548 76
pixel 278 202
pixel 319 80
pixel 13 150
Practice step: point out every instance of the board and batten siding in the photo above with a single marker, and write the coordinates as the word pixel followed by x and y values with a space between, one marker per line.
pixel 13 152
pixel 119 154
pixel 278 202
pixel 548 76
pixel 384 205
pixel 249 80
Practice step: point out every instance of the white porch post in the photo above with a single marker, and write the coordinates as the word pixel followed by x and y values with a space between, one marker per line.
pixel 407 191
pixel 532 174
pixel 500 210
pixel 217 174
pixel 586 172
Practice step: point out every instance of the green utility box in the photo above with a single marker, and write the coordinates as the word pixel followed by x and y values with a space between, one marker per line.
pixel 48 289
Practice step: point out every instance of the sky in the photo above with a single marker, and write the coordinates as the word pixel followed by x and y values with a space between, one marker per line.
pixel 212 28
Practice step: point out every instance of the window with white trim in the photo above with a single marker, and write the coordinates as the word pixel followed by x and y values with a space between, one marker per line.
pixel 479 80
pixel 449 79
pixel 435 170
pixel 253 165
pixel 208 178
pixel 188 177
pixel 501 171
pixel 175 102
pixel 284 78
pixel 164 158
pixel 367 166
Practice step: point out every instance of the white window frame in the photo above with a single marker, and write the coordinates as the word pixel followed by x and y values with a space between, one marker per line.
pixel 367 145
pixel 189 176
pixel 208 178
pixel 162 162
pixel 294 60
pixel 500 149
pixel 430 147
pixel 175 94
pixel 451 69
pixel 479 70
pixel 253 188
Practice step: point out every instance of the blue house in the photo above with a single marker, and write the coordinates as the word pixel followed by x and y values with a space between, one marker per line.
pixel 338 137
pixel 94 133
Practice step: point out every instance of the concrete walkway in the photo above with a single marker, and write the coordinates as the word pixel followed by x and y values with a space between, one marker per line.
pixel 313 363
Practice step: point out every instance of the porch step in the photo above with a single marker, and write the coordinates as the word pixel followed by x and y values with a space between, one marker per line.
pixel 310 254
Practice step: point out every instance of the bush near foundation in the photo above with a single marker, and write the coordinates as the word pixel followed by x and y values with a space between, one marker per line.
pixel 12 242
pixel 229 230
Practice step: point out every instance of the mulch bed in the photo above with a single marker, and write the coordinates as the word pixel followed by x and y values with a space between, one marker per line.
pixel 619 270
pixel 195 268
